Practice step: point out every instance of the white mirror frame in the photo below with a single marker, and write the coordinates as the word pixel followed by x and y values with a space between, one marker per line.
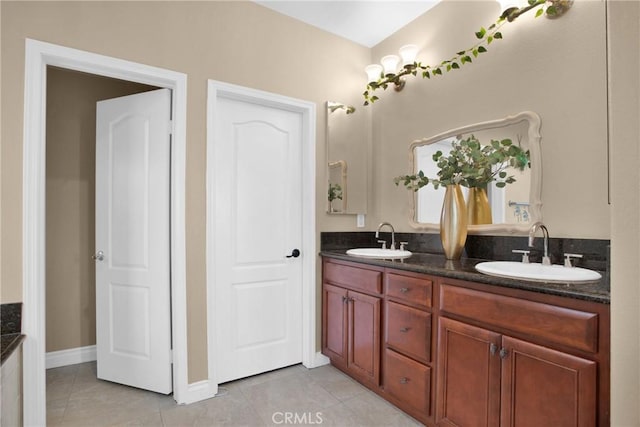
pixel 535 191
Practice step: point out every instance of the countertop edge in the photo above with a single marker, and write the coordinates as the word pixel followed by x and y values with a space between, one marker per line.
pixel 464 269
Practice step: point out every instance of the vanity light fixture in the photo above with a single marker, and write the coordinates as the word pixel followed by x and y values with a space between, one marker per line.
pixel 382 78
pixel 389 66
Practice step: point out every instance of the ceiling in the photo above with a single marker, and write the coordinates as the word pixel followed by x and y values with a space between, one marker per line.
pixel 364 22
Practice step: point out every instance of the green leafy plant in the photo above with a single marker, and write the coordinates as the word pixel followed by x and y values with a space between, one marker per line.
pixel 472 164
pixel 335 192
pixel 550 8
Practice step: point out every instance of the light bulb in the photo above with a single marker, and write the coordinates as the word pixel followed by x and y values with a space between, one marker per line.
pixel 390 64
pixel 408 53
pixel 374 72
pixel 508 4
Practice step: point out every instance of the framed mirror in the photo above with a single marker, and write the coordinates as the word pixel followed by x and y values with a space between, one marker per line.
pixel 347 159
pixel 514 207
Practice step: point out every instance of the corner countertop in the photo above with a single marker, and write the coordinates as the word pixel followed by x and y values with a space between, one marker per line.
pixel 8 343
pixel 464 269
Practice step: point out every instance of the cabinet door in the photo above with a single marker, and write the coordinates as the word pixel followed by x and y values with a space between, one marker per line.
pixel 334 324
pixel 544 387
pixel 468 375
pixel 364 336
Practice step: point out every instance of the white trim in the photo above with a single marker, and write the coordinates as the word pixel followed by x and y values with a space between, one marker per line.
pixel 72 356
pixel 320 360
pixel 38 56
pixel 307 110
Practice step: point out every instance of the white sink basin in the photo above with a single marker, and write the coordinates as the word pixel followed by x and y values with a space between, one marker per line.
pixel 538 272
pixel 379 253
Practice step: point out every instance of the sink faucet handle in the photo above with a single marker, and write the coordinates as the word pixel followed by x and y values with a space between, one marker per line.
pixel 525 254
pixel 567 259
pixel 402 245
pixel 384 243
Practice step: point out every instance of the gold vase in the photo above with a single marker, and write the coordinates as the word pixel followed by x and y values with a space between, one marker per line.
pixel 453 222
pixel 478 208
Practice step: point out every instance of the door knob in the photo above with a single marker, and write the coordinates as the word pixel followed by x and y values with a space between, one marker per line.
pixel 294 254
pixel 98 256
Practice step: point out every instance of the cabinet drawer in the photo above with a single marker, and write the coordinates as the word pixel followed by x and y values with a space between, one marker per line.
pixel 572 328
pixel 413 290
pixel 408 330
pixel 353 277
pixel 408 381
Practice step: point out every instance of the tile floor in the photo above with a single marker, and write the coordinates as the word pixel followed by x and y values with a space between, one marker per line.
pixel 323 397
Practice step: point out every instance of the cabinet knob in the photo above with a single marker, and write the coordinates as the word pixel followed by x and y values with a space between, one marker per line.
pixel 503 353
pixel 404 329
pixel 404 380
pixel 493 349
pixel 404 290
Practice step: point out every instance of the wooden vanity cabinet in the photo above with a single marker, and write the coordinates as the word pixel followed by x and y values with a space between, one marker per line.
pixel 456 353
pixel 351 319
pixel 506 361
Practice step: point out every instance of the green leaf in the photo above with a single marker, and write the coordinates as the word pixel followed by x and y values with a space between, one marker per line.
pixel 468 58
pixel 502 174
pixel 448 67
pixel 539 12
pixel 480 34
pixel 455 65
pixel 500 184
pixel 482 49
pixel 475 53
pixel 552 11
pixel 426 74
pixel 497 35
pixel 437 71
pixel 489 39
pixel 462 52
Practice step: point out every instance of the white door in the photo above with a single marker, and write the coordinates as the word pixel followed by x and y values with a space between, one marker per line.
pixel 258 229
pixel 133 327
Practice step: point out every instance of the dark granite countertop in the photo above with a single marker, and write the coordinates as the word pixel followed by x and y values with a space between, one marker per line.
pixel 464 269
pixel 9 342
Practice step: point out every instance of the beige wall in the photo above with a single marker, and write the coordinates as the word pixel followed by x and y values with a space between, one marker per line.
pixel 235 42
pixel 556 68
pixel 624 78
pixel 70 275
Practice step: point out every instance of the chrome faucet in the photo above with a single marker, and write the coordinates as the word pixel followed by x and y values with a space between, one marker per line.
pixel 393 234
pixel 545 233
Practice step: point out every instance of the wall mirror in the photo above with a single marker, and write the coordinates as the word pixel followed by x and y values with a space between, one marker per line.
pixel 347 157
pixel 514 207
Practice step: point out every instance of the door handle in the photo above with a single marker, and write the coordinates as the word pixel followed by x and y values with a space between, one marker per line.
pixel 98 256
pixel 294 254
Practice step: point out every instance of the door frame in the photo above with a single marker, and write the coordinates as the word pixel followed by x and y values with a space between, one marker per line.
pixel 311 358
pixel 38 55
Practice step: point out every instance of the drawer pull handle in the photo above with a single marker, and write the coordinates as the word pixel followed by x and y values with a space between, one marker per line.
pixel 404 290
pixel 404 380
pixel 404 329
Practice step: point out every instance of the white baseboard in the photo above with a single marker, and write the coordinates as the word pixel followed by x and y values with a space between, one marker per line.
pixel 318 360
pixel 201 390
pixel 55 359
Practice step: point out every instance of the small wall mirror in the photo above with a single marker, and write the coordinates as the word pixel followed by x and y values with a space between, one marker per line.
pixel 515 207
pixel 347 157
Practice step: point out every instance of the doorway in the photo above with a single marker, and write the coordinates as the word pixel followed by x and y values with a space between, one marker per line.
pixel 70 213
pixel 38 56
